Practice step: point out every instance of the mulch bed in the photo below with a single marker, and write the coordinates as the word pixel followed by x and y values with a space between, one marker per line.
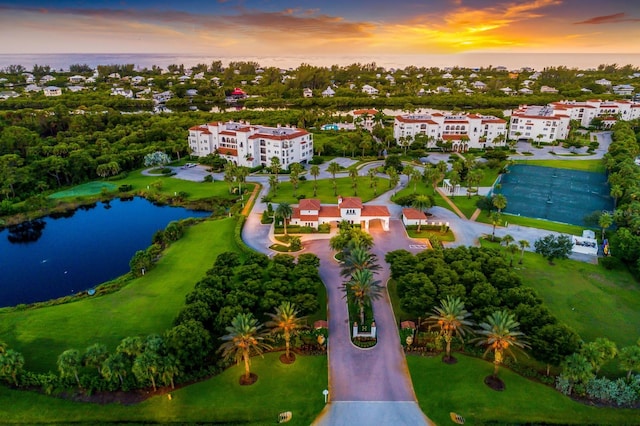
pixel 290 360
pixel 449 360
pixel 248 381
pixel 494 383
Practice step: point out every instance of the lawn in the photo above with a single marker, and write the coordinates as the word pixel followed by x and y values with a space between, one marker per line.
pixel 584 165
pixel 171 185
pixel 89 188
pixel 592 300
pixel 325 190
pixel 466 205
pixel 422 188
pixel 295 387
pixel 548 225
pixel 459 388
pixel 489 177
pixel 145 305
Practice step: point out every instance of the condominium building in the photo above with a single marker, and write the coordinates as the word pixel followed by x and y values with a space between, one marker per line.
pixel 463 131
pixel 551 122
pixel 250 145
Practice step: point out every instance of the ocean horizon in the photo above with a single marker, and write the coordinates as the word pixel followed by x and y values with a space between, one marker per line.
pixel 537 61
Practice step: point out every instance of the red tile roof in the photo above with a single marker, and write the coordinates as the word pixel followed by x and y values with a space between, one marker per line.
pixel 309 217
pixel 369 211
pixel 413 214
pixel 329 211
pixel 351 203
pixel 309 204
pixel 453 137
pixel 228 151
pixel 227 132
pixel 365 111
pixel 415 120
pixel 279 137
pixel 320 324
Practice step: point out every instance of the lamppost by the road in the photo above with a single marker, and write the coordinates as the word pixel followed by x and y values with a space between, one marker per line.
pixel 326 395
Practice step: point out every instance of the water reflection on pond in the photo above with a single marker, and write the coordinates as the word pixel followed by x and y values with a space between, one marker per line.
pixel 72 252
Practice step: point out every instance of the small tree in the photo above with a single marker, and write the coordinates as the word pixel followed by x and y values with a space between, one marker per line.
pixel 499 201
pixel 524 244
pixel 630 359
pixel 156 159
pixel 605 221
pixel 315 172
pixel 552 247
pixel 68 363
pixel 576 369
pixel 421 202
pixel 284 211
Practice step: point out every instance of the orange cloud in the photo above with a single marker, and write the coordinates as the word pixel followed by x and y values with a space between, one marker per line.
pixel 608 19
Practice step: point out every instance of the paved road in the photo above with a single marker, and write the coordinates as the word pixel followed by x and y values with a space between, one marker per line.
pixel 358 376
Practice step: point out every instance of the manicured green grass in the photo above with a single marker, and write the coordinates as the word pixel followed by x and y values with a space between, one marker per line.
pixel 584 165
pixel 592 300
pixel 171 185
pixel 425 231
pixel 459 388
pixel 512 220
pixel 422 188
pixel 466 205
pixel 400 314
pixel 145 305
pixel 89 188
pixel 489 177
pixel 325 190
pixel 294 387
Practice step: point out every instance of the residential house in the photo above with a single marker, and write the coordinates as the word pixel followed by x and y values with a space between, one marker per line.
pixel 52 91
pixel 119 91
pixel 411 216
pixel 547 89
pixel 623 89
pixel 328 93
pixel 603 82
pixel 75 79
pixel 32 88
pixel 479 85
pixel 250 145
pixel 364 118
pixel 310 212
pixel 307 93
pixel 9 94
pixel 369 90
pixel 525 91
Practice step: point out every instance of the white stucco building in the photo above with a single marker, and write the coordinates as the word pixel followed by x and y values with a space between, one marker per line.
pixel 250 145
pixel 311 213
pixel 464 131
pixel 552 121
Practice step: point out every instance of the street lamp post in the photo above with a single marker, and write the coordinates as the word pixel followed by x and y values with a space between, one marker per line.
pixel 326 395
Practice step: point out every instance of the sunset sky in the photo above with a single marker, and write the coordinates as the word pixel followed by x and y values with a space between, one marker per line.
pixel 319 27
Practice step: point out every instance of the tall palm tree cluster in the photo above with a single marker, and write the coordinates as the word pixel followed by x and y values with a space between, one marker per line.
pixel 499 332
pixel 247 337
pixel 359 266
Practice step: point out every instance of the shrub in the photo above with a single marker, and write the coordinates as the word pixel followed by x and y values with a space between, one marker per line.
pixel 125 187
pixel 208 178
pixel 611 391
pixel 610 263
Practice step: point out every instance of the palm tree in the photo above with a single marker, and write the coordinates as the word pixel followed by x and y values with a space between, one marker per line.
pixel 284 211
pixel 372 174
pixel 605 221
pixel 353 174
pixel 287 322
pixel 576 368
pixel 416 177
pixel 68 363
pixel 451 318
pixel 499 201
pixel 147 366
pixel 421 202
pixel 495 218
pixel 499 333
pixel 630 359
pixel 230 170
pixel 315 172
pixel 244 338
pixel 358 259
pixel 115 364
pixel 616 193
pixel 11 363
pixel 168 370
pixel 507 239
pixel 95 355
pixel 241 175
pixel 334 168
pixel 474 177
pixel 394 178
pixel 523 245
pixel 362 289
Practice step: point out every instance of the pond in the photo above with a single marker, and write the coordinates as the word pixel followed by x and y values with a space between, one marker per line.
pixel 63 255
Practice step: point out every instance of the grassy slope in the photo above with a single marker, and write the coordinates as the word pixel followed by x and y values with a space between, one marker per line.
pixel 585 165
pixel 146 305
pixel 296 387
pixel 325 190
pixel 592 300
pixel 535 223
pixel 459 388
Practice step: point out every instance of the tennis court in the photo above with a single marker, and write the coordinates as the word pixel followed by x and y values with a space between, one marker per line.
pixel 559 195
pixel 90 188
